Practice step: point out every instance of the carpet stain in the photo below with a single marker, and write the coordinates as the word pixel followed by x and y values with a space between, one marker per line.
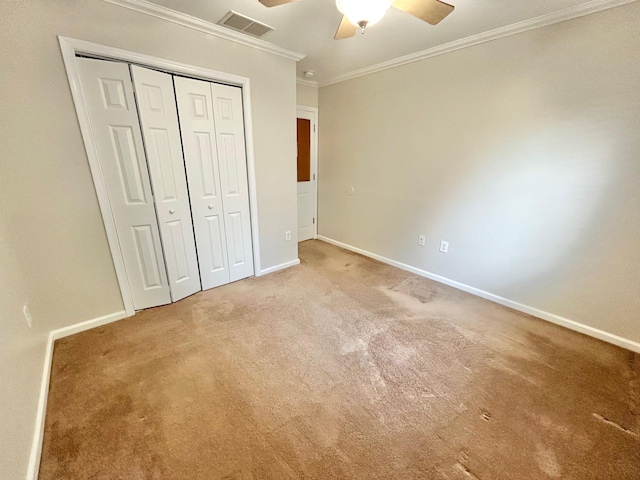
pixel 547 461
pixel 342 367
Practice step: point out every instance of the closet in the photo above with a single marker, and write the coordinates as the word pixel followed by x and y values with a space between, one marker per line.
pixel 172 154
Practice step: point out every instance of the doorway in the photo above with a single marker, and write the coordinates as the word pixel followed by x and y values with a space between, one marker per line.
pixel 307 139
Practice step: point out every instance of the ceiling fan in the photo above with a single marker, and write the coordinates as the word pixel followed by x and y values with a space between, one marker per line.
pixel 363 13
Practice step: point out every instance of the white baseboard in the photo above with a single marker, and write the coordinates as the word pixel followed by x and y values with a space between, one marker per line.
pixel 36 448
pixel 282 266
pixel 550 317
pixel 89 324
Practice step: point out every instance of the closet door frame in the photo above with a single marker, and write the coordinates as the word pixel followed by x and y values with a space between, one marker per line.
pixel 70 48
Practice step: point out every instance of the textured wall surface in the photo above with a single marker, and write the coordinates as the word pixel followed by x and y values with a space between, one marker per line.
pixel 55 254
pixel 522 152
pixel 307 95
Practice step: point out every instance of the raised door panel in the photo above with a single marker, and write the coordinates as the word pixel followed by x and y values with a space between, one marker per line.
pixel 237 251
pixel 108 94
pixel 126 157
pixel 147 258
pixel 201 159
pixel 163 174
pixel 161 133
pixel 229 125
pixel 217 262
pixel 305 216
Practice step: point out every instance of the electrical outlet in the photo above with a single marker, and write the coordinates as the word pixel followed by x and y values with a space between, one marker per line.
pixel 287 235
pixel 444 246
pixel 27 315
pixel 422 240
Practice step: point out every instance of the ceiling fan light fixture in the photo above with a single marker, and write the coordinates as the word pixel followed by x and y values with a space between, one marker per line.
pixel 363 12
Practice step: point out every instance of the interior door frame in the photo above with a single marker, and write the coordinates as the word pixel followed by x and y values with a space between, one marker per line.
pixel 70 47
pixel 314 159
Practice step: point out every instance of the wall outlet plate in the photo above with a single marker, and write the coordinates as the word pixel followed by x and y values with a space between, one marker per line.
pixel 444 246
pixel 287 235
pixel 422 240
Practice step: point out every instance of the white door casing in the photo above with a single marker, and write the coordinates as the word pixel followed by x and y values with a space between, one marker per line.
pixel 307 191
pixel 73 51
pixel 232 160
pixel 195 111
pixel 108 95
pixel 161 136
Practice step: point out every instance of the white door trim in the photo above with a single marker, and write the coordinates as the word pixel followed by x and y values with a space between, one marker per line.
pixel 314 158
pixel 70 47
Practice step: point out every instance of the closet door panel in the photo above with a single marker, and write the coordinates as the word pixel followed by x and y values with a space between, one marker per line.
pixel 108 94
pixel 201 159
pixel 229 125
pixel 161 135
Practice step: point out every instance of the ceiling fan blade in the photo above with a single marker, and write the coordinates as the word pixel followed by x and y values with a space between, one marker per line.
pixel 345 30
pixel 431 11
pixel 275 3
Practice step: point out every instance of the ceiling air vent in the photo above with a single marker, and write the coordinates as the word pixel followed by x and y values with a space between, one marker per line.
pixel 245 24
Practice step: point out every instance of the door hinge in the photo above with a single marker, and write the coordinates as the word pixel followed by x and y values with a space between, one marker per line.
pixel 314 176
pixel 314 127
pixel 314 221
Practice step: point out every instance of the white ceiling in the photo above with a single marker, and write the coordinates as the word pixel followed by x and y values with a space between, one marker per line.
pixel 308 26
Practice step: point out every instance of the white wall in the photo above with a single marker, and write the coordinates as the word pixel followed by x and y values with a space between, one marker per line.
pixel 21 357
pixel 54 250
pixel 307 95
pixel 522 152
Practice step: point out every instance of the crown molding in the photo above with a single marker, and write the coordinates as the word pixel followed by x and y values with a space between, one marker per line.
pixel 308 83
pixel 209 28
pixel 556 17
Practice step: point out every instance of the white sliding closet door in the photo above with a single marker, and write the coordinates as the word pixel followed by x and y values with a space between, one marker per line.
pixel 108 94
pixel 227 111
pixel 161 134
pixel 195 111
pixel 212 128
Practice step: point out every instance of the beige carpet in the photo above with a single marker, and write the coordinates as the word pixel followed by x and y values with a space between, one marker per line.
pixel 340 368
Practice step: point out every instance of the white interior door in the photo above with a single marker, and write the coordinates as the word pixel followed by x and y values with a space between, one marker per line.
pixel 307 167
pixel 229 124
pixel 108 94
pixel 195 110
pixel 161 136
